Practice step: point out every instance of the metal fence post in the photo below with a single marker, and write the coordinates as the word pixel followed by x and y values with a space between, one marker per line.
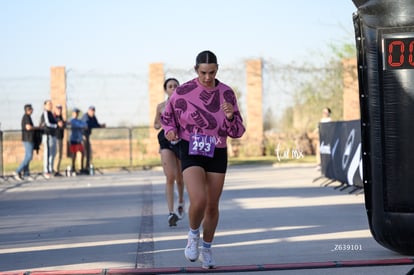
pixel 130 146
pixel 1 154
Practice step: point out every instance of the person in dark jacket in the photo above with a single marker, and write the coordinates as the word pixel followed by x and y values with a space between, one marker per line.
pixel 27 138
pixel 60 132
pixel 92 122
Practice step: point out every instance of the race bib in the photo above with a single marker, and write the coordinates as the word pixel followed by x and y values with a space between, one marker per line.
pixel 202 145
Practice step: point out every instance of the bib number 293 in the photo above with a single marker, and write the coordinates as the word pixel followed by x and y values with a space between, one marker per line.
pixel 202 145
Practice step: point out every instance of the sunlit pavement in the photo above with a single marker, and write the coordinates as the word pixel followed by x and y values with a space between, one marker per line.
pixel 274 219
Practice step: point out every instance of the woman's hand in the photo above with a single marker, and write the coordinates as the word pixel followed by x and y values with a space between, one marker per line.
pixel 171 136
pixel 228 110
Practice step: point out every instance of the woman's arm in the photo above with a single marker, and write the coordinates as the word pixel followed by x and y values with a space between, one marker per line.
pixel 157 122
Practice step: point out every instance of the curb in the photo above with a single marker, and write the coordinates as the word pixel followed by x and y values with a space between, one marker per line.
pixel 223 269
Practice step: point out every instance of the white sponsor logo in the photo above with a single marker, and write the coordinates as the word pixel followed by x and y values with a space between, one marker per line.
pixel 325 149
pixel 348 147
pixel 356 165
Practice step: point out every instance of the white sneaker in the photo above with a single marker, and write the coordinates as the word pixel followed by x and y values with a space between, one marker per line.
pixel 17 176
pixel 206 258
pixel 29 178
pixel 191 250
pixel 181 210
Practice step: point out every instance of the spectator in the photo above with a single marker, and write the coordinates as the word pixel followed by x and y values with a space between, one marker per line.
pixel 60 132
pixel 326 117
pixel 90 118
pixel 49 125
pixel 28 143
pixel 77 128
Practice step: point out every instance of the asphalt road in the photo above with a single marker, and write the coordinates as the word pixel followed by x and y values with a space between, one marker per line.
pixel 273 219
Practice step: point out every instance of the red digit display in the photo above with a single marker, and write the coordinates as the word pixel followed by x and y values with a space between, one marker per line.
pixel 398 52
pixel 410 53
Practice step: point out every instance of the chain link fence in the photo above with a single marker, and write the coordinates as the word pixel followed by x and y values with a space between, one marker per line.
pixel 122 103
pixel 122 100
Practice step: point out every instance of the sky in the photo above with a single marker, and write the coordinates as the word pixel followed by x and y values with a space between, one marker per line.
pixel 122 37
pixel 119 36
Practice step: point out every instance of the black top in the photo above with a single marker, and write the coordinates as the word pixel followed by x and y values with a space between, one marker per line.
pixel 60 131
pixel 48 123
pixel 27 135
pixel 92 122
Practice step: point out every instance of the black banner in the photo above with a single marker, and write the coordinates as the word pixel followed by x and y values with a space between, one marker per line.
pixel 340 150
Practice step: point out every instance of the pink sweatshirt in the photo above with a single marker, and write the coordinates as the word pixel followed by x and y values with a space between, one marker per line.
pixel 193 108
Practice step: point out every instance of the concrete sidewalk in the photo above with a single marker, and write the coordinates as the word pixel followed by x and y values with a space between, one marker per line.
pixel 274 219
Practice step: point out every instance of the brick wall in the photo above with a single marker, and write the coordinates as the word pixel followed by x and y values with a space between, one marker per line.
pixel 156 95
pixel 254 114
pixel 351 91
pixel 58 88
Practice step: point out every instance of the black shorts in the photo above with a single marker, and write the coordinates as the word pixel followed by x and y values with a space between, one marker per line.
pixel 165 144
pixel 216 164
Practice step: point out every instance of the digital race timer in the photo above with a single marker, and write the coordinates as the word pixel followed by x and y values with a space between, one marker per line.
pixel 398 51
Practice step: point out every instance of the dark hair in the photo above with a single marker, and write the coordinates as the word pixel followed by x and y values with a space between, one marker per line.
pixel 168 80
pixel 206 57
pixel 27 107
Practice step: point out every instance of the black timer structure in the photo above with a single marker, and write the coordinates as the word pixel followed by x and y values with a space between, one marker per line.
pixel 384 35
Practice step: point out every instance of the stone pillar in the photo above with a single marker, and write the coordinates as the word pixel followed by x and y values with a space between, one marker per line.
pixel 254 120
pixel 58 88
pixel 351 90
pixel 156 95
pixel 58 96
